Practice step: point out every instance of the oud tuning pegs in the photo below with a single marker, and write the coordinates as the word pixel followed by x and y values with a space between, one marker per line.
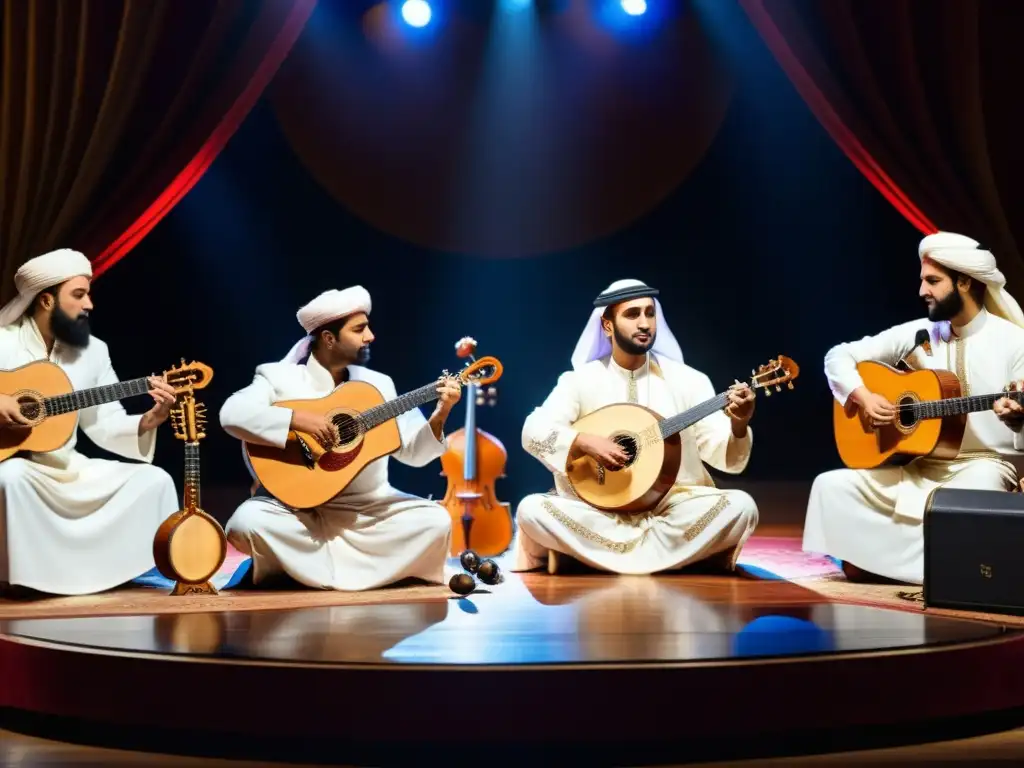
pixel 789 385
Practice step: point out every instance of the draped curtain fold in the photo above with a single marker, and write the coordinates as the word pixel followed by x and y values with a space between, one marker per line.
pixel 110 110
pixel 921 96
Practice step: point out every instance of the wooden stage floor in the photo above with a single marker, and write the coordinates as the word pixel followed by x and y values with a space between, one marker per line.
pixel 609 670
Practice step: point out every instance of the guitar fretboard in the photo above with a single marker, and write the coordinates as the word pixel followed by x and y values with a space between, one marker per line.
pixel 956 406
pixel 87 398
pixel 192 476
pixel 688 418
pixel 393 408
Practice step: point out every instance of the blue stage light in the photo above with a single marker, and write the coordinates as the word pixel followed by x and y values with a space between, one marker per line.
pixel 634 7
pixel 416 13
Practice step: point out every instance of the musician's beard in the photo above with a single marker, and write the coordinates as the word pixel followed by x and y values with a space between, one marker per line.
pixel 72 331
pixel 363 355
pixel 630 347
pixel 947 308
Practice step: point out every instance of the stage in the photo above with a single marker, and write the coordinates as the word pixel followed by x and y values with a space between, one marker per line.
pixel 612 670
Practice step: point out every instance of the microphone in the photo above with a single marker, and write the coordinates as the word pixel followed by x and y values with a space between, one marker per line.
pixel 923 340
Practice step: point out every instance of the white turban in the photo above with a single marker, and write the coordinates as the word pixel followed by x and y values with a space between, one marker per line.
pixel 40 273
pixel 962 254
pixel 593 344
pixel 325 308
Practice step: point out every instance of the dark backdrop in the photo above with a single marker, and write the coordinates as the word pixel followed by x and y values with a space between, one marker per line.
pixel 775 244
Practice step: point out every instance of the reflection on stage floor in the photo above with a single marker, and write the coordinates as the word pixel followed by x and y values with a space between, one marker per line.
pixel 530 620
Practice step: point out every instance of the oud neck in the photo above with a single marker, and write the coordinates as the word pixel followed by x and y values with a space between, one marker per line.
pixel 87 398
pixel 674 424
pixel 394 408
pixel 469 458
pixel 958 406
pixel 192 500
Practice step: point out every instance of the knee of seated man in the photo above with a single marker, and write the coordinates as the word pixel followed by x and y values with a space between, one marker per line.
pixel 244 521
pixel 437 519
pixel 157 476
pixel 830 479
pixel 743 502
pixel 529 508
pixel 12 472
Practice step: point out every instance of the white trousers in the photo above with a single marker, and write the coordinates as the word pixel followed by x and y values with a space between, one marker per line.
pixel 347 545
pixel 689 525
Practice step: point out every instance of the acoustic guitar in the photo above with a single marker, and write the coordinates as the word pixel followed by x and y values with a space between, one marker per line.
pixel 306 473
pixel 931 416
pixel 652 445
pixel 47 399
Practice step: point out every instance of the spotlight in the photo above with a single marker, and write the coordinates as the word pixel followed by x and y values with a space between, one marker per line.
pixel 634 7
pixel 416 13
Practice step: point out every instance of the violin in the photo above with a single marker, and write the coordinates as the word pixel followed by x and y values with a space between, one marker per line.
pixel 473 462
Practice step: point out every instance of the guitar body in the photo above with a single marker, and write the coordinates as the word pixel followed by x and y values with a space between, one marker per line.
pixel 190 547
pixel 286 473
pixel 645 480
pixel 30 384
pixel 862 447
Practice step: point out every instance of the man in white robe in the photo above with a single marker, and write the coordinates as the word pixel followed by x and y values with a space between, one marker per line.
pixel 70 524
pixel 628 354
pixel 371 534
pixel 872 520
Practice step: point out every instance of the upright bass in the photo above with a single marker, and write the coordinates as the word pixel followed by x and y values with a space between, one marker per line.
pixel 473 462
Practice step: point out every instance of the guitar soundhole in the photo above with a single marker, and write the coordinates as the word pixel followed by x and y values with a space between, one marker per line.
pixel 905 412
pixel 628 444
pixel 348 431
pixel 348 428
pixel 30 408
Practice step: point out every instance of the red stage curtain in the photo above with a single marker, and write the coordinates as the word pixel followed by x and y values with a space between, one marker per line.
pixel 921 95
pixel 110 110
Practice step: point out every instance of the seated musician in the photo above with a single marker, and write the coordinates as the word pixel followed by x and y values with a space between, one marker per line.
pixel 871 520
pixel 371 534
pixel 628 354
pixel 70 524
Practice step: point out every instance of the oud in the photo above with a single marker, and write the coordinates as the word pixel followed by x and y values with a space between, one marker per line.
pixel 50 403
pixel 931 416
pixel 190 545
pixel 473 462
pixel 306 474
pixel 652 445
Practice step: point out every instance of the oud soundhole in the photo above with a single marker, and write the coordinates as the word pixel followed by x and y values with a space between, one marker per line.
pixel 630 446
pixel 905 415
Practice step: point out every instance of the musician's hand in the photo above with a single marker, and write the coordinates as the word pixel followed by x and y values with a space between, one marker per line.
pixel 10 413
pixel 449 393
pixel 164 396
pixel 316 425
pixel 1010 412
pixel 602 449
pixel 740 403
pixel 878 410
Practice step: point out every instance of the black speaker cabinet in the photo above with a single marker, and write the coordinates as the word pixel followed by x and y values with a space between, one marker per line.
pixel 974 551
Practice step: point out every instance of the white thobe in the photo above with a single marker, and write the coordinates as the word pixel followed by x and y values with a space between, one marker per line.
pixel 693 522
pixel 70 524
pixel 873 518
pixel 368 536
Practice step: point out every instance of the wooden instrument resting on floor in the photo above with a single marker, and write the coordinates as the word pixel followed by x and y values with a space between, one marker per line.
pixel 51 404
pixel 190 546
pixel 306 474
pixel 472 463
pixel 652 445
pixel 930 421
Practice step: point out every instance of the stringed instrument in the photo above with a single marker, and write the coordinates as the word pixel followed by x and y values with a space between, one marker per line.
pixel 652 445
pixel 306 473
pixel 190 546
pixel 931 416
pixel 472 463
pixel 51 404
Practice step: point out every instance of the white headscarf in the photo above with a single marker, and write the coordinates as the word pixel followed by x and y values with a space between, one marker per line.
pixel 593 344
pixel 328 306
pixel 962 254
pixel 40 273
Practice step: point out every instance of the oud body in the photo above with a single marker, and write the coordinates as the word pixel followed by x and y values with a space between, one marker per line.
pixel 473 462
pixel 305 474
pixel 646 478
pixel 915 433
